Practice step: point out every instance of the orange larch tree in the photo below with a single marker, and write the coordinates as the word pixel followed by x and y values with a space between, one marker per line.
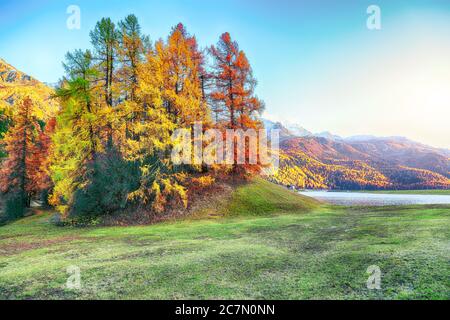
pixel 234 101
pixel 183 66
pixel 234 85
pixel 44 145
pixel 18 176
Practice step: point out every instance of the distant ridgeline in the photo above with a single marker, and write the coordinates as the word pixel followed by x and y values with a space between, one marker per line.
pixel 325 161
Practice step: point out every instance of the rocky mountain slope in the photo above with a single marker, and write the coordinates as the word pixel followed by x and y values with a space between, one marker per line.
pixel 15 84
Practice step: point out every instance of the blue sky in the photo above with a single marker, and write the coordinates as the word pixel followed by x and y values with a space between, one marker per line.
pixel 316 62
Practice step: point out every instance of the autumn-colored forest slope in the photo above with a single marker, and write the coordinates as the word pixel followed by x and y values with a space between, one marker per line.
pixel 364 163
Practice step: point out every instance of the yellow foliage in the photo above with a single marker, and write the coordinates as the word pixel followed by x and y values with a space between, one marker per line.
pixel 203 181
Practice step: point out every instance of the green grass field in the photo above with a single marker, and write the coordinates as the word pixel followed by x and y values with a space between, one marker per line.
pixel 271 244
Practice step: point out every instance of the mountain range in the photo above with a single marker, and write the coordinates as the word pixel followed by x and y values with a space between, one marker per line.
pixel 325 160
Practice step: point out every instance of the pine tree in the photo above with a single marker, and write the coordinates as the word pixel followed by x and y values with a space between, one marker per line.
pixel 150 138
pixel 133 46
pixel 77 139
pixel 131 52
pixel 77 94
pixel 104 38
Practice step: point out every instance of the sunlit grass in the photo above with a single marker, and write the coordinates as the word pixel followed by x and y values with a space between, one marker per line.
pixel 309 252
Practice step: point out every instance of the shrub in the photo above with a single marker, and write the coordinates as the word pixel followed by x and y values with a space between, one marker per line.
pixel 15 206
pixel 57 220
pixel 111 179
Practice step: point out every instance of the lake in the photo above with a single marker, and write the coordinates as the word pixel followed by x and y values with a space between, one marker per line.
pixel 375 199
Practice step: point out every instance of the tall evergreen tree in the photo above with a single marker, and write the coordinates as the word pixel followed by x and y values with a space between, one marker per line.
pixel 77 139
pixel 133 46
pixel 151 137
pixel 105 38
pixel 131 51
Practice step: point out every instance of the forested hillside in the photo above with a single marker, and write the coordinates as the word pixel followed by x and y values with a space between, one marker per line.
pixel 316 162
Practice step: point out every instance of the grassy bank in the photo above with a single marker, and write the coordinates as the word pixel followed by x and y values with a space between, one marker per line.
pixel 308 252
pixel 263 198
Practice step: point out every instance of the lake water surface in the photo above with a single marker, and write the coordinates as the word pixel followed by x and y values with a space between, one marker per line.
pixel 375 199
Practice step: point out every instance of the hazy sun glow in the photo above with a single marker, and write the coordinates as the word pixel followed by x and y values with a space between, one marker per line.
pixel 390 82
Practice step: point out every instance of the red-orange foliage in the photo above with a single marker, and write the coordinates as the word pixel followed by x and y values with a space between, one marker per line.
pixel 20 170
pixel 235 104
pixel 234 84
pixel 44 146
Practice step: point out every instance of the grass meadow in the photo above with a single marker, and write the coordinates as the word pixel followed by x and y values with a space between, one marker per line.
pixel 266 243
